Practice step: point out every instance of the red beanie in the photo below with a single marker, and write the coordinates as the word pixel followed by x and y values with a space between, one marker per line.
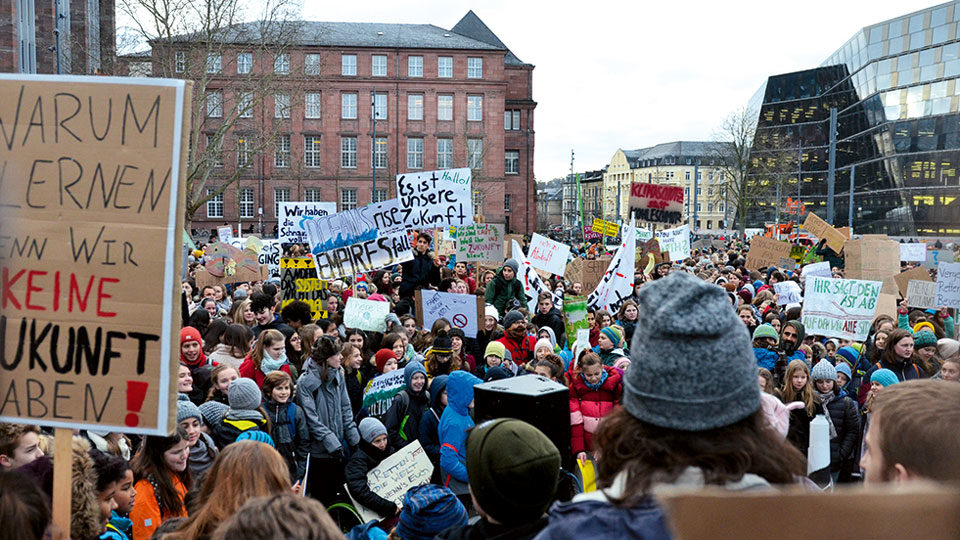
pixel 189 333
pixel 381 358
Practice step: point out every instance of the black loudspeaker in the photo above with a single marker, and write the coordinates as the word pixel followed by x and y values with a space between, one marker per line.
pixel 534 399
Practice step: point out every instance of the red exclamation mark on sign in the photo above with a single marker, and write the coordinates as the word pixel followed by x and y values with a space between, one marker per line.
pixel 136 393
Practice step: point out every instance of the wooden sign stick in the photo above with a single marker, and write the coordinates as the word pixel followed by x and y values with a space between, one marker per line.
pixel 62 478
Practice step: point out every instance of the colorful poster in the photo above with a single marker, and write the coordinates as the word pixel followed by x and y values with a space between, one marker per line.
pixel 295 215
pixel 655 203
pixel 575 317
pixel 480 242
pixel 298 281
pixel 548 255
pixel 435 198
pixel 92 171
pixel 841 308
pixel 676 242
pixel 342 229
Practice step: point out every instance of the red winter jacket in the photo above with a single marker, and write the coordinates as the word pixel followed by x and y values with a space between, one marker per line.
pixel 250 371
pixel 520 351
pixel 588 406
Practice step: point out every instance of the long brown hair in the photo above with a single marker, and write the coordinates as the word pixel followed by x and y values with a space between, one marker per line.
pixel 266 338
pixel 243 470
pixel 646 454
pixel 889 355
pixel 788 394
pixel 149 464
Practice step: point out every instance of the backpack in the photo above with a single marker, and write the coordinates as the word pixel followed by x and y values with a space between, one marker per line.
pixel 404 408
pixel 291 420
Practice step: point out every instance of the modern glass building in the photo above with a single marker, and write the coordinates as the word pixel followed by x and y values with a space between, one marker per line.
pixel 896 88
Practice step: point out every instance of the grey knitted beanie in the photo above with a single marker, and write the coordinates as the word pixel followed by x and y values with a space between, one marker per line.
pixel 693 363
pixel 244 394
pixel 823 370
pixel 370 428
pixel 186 409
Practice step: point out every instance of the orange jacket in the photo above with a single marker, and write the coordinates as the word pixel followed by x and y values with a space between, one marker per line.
pixel 146 514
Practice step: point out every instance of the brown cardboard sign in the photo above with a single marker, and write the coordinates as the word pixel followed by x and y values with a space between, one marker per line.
pixel 765 252
pixel 649 255
pixel 821 229
pixel 91 173
pixel 873 257
pixel 903 279
pixel 508 244
pixel 587 272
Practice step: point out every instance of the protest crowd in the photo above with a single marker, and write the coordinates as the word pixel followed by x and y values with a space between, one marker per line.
pixel 718 367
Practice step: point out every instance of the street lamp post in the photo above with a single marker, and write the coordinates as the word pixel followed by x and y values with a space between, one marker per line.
pixel 373 147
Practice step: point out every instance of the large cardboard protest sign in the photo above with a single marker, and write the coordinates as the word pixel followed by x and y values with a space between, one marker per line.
pixel 463 311
pixel 676 242
pixel 903 279
pixel 821 229
pixel 408 467
pixel 295 215
pixel 435 198
pixel 363 257
pixel 91 180
pixel 587 272
pixel 648 255
pixel 921 294
pixel 948 285
pixel 617 283
pixel 341 229
pixel 873 257
pixel 363 314
pixel 766 252
pixel 548 255
pixel 298 281
pixel 841 308
pixel 480 242
pixel 656 203
pixel 575 317
pixel 916 252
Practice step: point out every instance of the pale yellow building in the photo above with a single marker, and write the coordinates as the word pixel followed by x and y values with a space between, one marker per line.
pixel 678 164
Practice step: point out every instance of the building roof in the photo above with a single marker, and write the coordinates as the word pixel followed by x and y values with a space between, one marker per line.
pixel 471 26
pixel 353 34
pixel 676 149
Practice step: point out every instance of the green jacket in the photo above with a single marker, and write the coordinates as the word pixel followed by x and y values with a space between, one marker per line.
pixel 501 293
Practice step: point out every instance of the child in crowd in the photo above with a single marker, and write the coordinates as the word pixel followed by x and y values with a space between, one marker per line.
pixel 594 391
pixel 245 412
pixel 221 377
pixel 374 448
pixel 290 434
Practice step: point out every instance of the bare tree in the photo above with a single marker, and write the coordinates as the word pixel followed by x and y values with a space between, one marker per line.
pixel 237 114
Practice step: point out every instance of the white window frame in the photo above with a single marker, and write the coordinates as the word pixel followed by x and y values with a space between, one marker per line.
pixel 475 108
pixel 506 202
pixel 348 152
pixel 379 195
pixel 245 105
pixel 380 152
pixel 217 153
pixel 245 203
pixel 215 104
pixel 281 151
pixel 244 155
pixel 348 199
pixel 244 63
pixel 312 64
pixel 312 151
pixel 348 111
pixel 414 106
pixel 415 66
pixel 214 63
pixel 475 153
pixel 348 65
pixel 477 202
pixel 414 152
pixel 444 153
pixel 312 105
pixel 474 67
pixel 445 71
pixel 180 62
pixel 445 105
pixel 215 204
pixel 312 195
pixel 378 65
pixel 281 105
pixel 380 106
pixel 280 194
pixel 511 157
pixel 281 64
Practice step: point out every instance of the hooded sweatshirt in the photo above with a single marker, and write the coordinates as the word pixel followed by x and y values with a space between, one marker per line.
pixel 407 409
pixel 291 437
pixel 454 423
pixel 792 351
pixel 429 437
pixel 505 295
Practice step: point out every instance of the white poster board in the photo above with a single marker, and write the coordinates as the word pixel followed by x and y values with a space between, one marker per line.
pixel 363 257
pixel 921 294
pixel 788 292
pixel 462 310
pixel 548 255
pixel 948 285
pixel 480 242
pixel 821 269
pixel 913 252
pixel 435 198
pixel 270 255
pixel 225 233
pixel 528 276
pixel 293 215
pixel 369 315
pixel 841 308
pixel 408 467
pixel 676 242
pixel 341 229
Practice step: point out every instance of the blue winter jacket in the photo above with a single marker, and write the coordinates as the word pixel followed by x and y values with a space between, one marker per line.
pixel 118 528
pixel 596 520
pixel 766 358
pixel 454 424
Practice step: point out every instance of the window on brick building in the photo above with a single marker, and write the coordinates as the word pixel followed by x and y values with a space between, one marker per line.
pixel 475 153
pixel 245 202
pixel 348 199
pixel 414 106
pixel 475 108
pixel 414 153
pixel 348 106
pixel 311 150
pixel 378 65
pixel 445 67
pixel 280 195
pixel 214 63
pixel 244 63
pixel 215 104
pixel 312 195
pixel 512 162
pixel 444 153
pixel 281 157
pixel 244 155
pixel 214 204
pixel 444 107
pixel 281 64
pixel 281 104
pixel 511 120
pixel 506 202
pixel 348 64
pixel 348 152
pixel 311 64
pixel 414 66
pixel 180 62
pixel 245 104
pixel 379 195
pixel 311 105
pixel 380 105
pixel 380 153
pixel 474 68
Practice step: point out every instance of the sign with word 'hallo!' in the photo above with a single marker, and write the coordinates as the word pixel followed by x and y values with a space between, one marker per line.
pixel 91 182
pixel 435 198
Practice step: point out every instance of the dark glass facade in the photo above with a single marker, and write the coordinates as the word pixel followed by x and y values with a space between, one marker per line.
pixel 896 87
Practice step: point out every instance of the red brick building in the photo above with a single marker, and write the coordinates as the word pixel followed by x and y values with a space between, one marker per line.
pixel 444 99
pixel 87 36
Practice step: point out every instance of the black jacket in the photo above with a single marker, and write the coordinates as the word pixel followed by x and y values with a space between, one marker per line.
pixel 484 530
pixel 419 273
pixel 360 463
pixel 846 420
pixel 355 387
pixel 553 319
pixel 403 417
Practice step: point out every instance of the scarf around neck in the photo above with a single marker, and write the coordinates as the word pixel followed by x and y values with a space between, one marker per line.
pixel 603 379
pixel 268 364
pixel 824 399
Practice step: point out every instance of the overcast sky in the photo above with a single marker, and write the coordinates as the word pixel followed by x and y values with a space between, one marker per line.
pixel 632 74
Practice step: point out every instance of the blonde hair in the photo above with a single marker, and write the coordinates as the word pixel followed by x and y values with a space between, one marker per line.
pixel 238 313
pixel 788 394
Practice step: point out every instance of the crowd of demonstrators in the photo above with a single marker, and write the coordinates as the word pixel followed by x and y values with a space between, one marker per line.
pixel 699 376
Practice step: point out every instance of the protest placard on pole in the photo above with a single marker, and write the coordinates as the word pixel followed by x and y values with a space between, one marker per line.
pixel 480 242
pixel 369 315
pixel 463 311
pixel 617 283
pixel 532 284
pixel 948 285
pixel 841 308
pixel 295 215
pixel 766 252
pixel 606 228
pixel 872 257
pixel 298 281
pixel 656 203
pixel 921 294
pixel 435 198
pixel 575 317
pixel 548 255
pixel 913 252
pixel 821 229
pixel 676 242
pixel 903 279
pixel 91 296
pixel 406 468
pixel 225 233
